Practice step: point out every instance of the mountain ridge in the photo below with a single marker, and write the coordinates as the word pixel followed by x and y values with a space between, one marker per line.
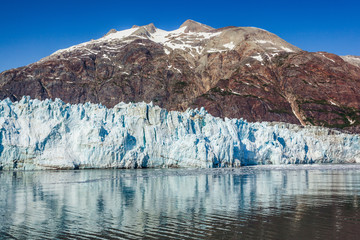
pixel 235 72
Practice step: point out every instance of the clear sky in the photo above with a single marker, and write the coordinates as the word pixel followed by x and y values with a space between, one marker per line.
pixel 31 30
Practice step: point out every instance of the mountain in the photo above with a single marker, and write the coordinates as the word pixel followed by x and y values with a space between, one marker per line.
pixel 234 72
pixel 354 60
pixel 53 135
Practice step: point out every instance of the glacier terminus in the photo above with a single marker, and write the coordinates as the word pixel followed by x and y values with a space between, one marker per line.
pixel 54 135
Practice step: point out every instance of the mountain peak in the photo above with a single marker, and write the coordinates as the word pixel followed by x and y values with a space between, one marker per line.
pixel 145 31
pixel 192 26
pixel 110 32
pixel 150 28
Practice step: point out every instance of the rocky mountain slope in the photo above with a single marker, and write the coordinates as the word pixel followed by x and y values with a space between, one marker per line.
pixel 235 72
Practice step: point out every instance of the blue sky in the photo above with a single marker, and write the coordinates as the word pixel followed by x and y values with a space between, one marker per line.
pixel 30 30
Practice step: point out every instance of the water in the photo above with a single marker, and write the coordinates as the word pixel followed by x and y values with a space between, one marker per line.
pixel 294 202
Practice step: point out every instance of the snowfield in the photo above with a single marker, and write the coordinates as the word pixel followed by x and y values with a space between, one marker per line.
pixel 53 135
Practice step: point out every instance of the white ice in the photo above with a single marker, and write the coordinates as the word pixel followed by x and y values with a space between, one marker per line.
pixel 51 134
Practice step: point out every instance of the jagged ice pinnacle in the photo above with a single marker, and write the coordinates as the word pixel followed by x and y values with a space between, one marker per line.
pixel 53 135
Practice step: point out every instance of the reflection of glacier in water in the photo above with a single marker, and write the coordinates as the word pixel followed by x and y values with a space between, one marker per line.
pixel 51 134
pixel 306 202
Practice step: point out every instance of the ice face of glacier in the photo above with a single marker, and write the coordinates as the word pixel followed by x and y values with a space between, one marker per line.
pixel 54 135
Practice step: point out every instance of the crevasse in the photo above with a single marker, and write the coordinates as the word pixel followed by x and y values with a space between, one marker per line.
pixel 53 135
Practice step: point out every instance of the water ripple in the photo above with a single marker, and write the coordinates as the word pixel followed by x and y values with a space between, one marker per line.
pixel 296 202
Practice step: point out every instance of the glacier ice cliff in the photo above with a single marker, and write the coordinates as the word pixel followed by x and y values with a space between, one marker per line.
pixel 53 135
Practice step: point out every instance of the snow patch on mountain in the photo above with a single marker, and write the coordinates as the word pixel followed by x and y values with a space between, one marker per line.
pixel 323 55
pixel 229 45
pixel 354 60
pixel 193 38
pixel 120 34
pixel 176 39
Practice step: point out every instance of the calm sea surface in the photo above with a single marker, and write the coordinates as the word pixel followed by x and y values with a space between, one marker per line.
pixel 293 202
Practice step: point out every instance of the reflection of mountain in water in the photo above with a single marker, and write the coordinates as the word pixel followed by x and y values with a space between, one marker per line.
pixel 180 203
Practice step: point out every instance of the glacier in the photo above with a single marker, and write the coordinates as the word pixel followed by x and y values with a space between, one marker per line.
pixel 56 135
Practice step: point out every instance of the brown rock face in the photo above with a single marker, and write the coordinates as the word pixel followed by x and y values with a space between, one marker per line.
pixel 192 26
pixel 233 72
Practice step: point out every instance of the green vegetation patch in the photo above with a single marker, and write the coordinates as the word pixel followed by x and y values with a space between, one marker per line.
pixel 180 86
